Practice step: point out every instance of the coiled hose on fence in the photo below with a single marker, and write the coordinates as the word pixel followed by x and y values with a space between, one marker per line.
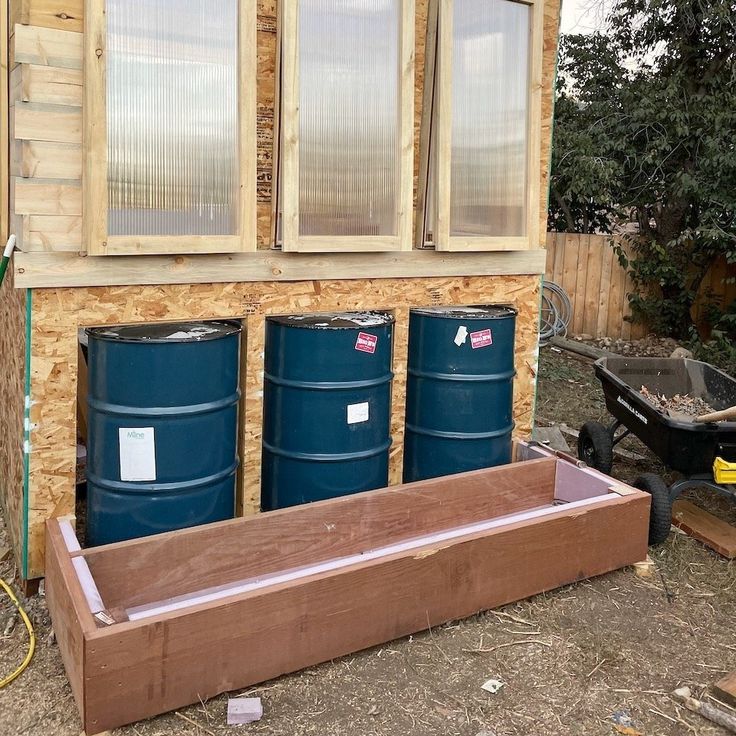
pixel 555 313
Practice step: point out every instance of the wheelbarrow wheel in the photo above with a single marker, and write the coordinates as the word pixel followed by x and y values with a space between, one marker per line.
pixel 660 516
pixel 595 446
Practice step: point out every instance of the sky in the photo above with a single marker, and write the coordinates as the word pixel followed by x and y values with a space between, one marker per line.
pixel 582 16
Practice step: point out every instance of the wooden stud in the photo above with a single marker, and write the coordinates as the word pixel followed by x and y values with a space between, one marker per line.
pixel 398 393
pixel 57 269
pixel 94 143
pixel 82 384
pixel 253 413
pixel 428 68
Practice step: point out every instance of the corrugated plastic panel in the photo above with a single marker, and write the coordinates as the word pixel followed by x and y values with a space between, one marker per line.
pixel 172 112
pixel 349 62
pixel 490 92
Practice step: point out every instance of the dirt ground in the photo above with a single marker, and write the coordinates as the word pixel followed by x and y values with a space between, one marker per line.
pixel 580 660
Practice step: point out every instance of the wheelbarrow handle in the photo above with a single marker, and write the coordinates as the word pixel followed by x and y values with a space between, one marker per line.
pixel 724 415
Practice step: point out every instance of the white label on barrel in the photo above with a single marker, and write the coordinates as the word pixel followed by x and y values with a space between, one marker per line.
pixel 358 413
pixel 461 335
pixel 137 453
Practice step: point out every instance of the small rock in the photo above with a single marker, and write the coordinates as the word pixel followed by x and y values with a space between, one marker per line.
pixel 584 336
pixel 492 686
pixel 243 710
pixel 681 353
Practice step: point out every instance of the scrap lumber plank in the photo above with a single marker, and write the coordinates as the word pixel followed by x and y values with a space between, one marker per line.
pixel 48 232
pixel 725 689
pixel 47 160
pixel 61 14
pixel 35 121
pixel 46 84
pixel 706 528
pixel 45 196
pixel 46 46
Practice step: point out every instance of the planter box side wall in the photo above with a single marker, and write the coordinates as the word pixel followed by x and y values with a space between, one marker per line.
pixel 136 670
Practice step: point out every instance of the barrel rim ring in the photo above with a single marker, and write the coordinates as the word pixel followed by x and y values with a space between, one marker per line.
pixel 169 487
pixel 233 328
pixel 436 311
pixel 282 320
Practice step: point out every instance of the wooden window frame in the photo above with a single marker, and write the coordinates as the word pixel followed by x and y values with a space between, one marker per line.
pixel 94 176
pixel 437 121
pixel 288 153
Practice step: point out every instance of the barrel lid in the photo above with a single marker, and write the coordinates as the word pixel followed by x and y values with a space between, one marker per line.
pixel 164 332
pixel 335 320
pixel 476 311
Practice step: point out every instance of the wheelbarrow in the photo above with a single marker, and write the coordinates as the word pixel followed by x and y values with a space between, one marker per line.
pixel 689 447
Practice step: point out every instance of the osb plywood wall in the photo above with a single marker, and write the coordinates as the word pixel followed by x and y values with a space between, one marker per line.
pixel 12 405
pixel 46 117
pixel 57 314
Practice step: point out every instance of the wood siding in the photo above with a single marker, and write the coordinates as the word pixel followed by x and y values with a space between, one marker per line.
pixel 587 268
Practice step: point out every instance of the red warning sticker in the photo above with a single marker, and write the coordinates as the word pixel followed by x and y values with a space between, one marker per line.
pixel 366 343
pixel 481 339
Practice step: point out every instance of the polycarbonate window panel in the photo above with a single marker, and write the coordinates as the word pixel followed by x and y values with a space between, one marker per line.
pixel 349 62
pixel 172 117
pixel 490 99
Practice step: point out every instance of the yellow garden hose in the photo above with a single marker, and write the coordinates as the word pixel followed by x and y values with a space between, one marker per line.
pixel 31 635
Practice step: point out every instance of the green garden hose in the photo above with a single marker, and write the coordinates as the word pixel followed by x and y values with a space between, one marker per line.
pixel 9 248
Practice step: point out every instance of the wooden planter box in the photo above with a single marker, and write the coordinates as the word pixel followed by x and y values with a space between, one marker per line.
pixel 153 624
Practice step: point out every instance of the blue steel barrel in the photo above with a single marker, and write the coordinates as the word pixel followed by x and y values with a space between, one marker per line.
pixel 459 390
pixel 327 398
pixel 162 428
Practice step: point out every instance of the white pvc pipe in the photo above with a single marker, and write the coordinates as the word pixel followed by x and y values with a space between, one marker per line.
pixel 9 247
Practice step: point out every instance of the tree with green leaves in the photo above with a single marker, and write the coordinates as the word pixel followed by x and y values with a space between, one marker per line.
pixel 645 131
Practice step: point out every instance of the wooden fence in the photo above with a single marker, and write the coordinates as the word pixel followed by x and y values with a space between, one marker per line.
pixel 586 267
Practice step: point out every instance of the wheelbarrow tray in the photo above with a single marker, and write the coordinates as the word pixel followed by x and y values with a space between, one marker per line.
pixel 682 445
